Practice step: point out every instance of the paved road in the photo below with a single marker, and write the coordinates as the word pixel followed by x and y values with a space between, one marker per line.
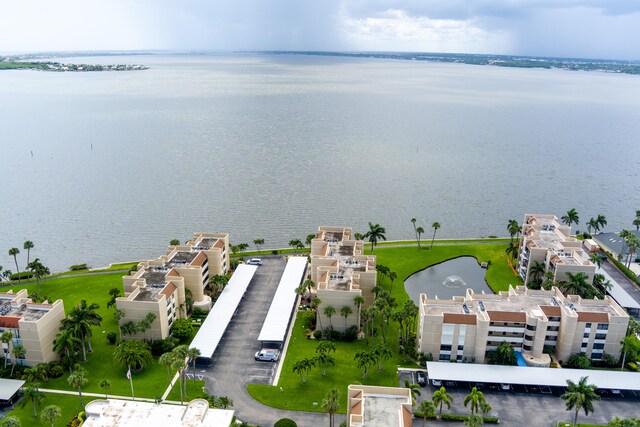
pixel 233 364
pixel 622 280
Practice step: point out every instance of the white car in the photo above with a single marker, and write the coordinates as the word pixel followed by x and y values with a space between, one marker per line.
pixel 255 261
pixel 436 383
pixel 268 355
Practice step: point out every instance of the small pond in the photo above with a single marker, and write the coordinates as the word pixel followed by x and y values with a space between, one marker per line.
pixel 447 279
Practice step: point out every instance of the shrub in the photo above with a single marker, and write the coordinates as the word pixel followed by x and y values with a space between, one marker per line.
pixel 159 347
pixel 77 267
pixel 22 275
pixel 553 364
pixel 181 329
pixel 274 252
pixel 351 333
pixel 198 312
pixel 317 334
pixel 112 337
pixel 308 319
pixel 579 361
pixel 285 422
pixel 56 371
pixel 632 366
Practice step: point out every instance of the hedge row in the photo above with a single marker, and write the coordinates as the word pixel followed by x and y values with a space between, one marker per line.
pixel 458 418
pixel 627 272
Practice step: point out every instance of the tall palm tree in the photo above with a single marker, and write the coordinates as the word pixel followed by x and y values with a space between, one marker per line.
pixel 392 277
pixel 571 217
pixel 166 360
pixel 512 250
pixel 364 359
pixel 309 284
pixel 14 253
pixel 39 271
pixel 474 400
pixel 303 367
pixel 329 311
pixel 415 230
pixel 601 283
pixel 345 311
pixel 441 397
pixel 435 226
pixel 376 232
pixel 580 395
pixel 428 409
pixel 19 353
pixel 33 394
pixel 193 354
pixel 258 243
pixel 78 379
pixel 6 338
pixel 105 385
pixel 601 221
pixel 358 300
pixel 331 404
pixel 28 245
pixel 324 360
pixel 632 242
pixel 596 259
pixel 50 414
pixel 577 285
pixel 419 232
pixel 315 303
pixel 513 228
pixel 536 271
pixel 592 224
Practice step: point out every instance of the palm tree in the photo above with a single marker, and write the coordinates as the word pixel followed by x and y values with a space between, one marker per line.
pixel 35 373
pixel 364 360
pixel 441 397
pixel 309 238
pixel 419 232
pixel 636 222
pixel 601 221
pixel 258 243
pixel 505 355
pixel 39 271
pixel 31 393
pixel 174 242
pixel 118 315
pixel 580 395
pixel 415 230
pixel 345 311
pixel 331 404
pixel 78 379
pixel 132 354
pixel 474 399
pixel 303 367
pixel 14 253
pixel 81 320
pixel 428 409
pixel 6 338
pixel 537 270
pixel 315 303
pixel 50 414
pixel 224 402
pixel 415 390
pixel 474 420
pixel 324 360
pixel 570 218
pixel 632 242
pixel 548 281
pixel 105 385
pixel 381 353
pixel 435 227
pixel 329 311
pixel 19 353
pixel 576 285
pixel 512 250
pixel 166 360
pixel 28 245
pixel 177 364
pixel 376 232
pixel 309 284
pixel 296 244
pixel 596 259
pixel 193 353
pixel 601 283
pixel 11 421
pixel 592 224
pixel 358 300
pixel 513 228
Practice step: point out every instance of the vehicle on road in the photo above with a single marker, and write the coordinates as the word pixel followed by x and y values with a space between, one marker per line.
pixel 421 378
pixel 267 355
pixel 255 261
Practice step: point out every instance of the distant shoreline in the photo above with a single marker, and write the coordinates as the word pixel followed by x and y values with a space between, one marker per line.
pixel 60 67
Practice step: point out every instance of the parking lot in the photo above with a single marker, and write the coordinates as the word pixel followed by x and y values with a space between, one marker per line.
pixel 233 361
pixel 540 406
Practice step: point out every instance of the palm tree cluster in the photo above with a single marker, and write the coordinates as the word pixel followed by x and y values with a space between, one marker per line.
pixel 131 328
pixel 632 242
pixel 514 229
pixel 77 329
pixel 376 355
pixel 27 246
pixel 503 355
pixel 178 360
pixel 323 359
pixel 578 284
pixel 596 224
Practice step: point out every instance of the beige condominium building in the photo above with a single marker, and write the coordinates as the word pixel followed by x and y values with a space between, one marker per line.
pixel 341 271
pixel 33 325
pixel 464 328
pixel 160 286
pixel 375 406
pixel 547 241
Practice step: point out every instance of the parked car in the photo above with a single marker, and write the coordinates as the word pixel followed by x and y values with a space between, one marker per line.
pixel 505 387
pixel 268 355
pixel 436 383
pixel 421 378
pixel 255 261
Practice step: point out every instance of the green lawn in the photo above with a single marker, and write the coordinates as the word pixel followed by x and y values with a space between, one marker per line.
pixel 7 65
pixel 404 261
pixel 150 382
pixel 69 404
pixel 193 390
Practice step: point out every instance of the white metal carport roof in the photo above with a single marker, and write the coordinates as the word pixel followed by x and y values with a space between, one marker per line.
pixel 275 325
pixel 9 387
pixel 558 377
pixel 212 329
pixel 618 293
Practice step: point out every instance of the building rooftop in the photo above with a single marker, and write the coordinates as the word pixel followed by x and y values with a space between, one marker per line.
pixel 155 275
pixel 125 413
pixel 207 243
pixel 148 293
pixel 182 258
pixel 18 306
pixel 376 406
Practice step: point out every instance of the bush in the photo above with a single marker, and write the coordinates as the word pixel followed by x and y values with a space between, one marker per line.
pixel 350 334
pixel 308 319
pixel 181 329
pixel 274 252
pixel 632 366
pixel 77 267
pixel 56 371
pixel 22 275
pixel 553 364
pixel 160 347
pixel 285 422
pixel 579 361
pixel 198 312
pixel 317 334
pixel 112 337
pixel 458 417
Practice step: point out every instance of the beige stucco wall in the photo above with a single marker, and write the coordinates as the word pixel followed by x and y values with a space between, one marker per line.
pixel 37 336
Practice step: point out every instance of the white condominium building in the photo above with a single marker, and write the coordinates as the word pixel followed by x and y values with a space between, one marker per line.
pixel 464 328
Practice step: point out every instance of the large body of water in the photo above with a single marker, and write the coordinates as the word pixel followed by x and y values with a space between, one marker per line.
pixel 273 146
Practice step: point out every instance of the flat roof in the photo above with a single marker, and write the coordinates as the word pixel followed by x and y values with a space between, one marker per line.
pixel 9 387
pixel 212 329
pixel 127 413
pixel 382 410
pixel 275 324
pixel 558 377
pixel 22 310
pixel 183 258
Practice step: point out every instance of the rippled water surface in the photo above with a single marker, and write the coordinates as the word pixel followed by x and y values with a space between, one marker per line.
pixel 272 146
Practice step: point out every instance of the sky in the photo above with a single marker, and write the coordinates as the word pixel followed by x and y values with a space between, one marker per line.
pixel 569 28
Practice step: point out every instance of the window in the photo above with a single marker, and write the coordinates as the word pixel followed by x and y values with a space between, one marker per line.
pixel 601 336
pixel 528 337
pixel 584 345
pixel 597 346
pixel 553 328
pixel 551 338
pixel 596 356
pixel 531 327
pixel 554 319
pixel 445 347
pixel 527 347
pixel 585 335
pixel 603 326
pixel 461 347
pixel 445 357
pixel 587 325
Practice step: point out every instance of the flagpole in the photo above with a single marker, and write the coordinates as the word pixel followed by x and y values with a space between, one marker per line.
pixel 131 382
